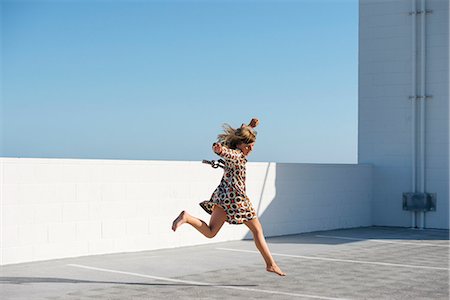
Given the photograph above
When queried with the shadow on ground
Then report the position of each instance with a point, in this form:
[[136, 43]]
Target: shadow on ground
[[27, 280], [354, 235]]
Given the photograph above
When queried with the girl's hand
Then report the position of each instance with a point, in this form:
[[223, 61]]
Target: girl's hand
[[217, 148], [253, 123]]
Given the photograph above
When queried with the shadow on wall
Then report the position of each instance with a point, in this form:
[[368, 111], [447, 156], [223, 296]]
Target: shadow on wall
[[299, 198], [308, 198], [283, 202]]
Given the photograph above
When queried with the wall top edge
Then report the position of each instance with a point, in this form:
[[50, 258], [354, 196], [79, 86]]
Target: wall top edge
[[82, 161]]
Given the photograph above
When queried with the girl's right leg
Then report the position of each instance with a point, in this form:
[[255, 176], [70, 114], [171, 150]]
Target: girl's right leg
[[218, 217], [260, 241]]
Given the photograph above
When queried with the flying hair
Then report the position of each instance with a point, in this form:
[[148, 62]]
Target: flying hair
[[232, 137]]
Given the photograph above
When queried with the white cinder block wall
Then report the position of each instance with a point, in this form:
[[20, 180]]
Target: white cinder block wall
[[54, 208], [385, 110]]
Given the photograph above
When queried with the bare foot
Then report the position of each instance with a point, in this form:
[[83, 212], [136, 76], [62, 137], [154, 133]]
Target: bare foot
[[275, 269], [180, 220]]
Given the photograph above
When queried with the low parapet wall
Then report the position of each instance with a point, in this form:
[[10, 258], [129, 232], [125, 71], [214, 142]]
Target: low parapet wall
[[55, 208]]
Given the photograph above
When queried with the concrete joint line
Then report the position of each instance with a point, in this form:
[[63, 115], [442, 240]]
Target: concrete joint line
[[341, 260], [202, 283], [381, 241]]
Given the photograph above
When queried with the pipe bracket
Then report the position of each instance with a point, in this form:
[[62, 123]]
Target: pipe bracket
[[419, 12], [420, 97]]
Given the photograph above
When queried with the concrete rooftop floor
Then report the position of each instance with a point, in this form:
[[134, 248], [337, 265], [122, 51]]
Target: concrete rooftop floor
[[361, 263]]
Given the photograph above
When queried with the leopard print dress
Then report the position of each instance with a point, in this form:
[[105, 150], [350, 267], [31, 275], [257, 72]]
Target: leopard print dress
[[230, 194]]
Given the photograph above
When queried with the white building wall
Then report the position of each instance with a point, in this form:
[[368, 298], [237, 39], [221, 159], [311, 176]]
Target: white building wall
[[55, 208], [385, 110]]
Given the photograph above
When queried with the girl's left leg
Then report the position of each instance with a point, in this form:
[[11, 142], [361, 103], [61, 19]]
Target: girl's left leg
[[258, 235], [218, 217]]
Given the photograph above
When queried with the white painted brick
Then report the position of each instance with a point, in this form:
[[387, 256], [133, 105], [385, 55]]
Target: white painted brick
[[137, 227], [148, 207], [39, 193], [101, 246], [109, 173], [48, 212], [12, 255], [387, 55], [31, 234], [26, 194], [47, 173], [145, 191], [436, 25], [10, 236], [126, 223], [155, 221], [145, 243], [67, 192], [402, 91], [437, 87], [88, 192], [60, 250], [113, 229], [95, 211], [27, 214], [388, 20], [75, 173], [384, 139], [203, 190], [95, 173], [440, 5], [386, 44], [402, 66], [382, 7], [438, 148], [135, 173], [16, 173], [437, 65], [138, 191], [117, 210], [75, 212], [438, 53], [437, 175], [89, 230], [437, 40], [11, 194], [125, 244], [129, 210], [10, 214], [61, 232], [180, 190], [390, 78], [113, 192]]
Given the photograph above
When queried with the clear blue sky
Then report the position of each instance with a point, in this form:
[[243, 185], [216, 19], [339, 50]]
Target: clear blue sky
[[156, 79]]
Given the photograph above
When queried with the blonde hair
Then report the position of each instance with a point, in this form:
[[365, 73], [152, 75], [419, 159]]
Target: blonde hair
[[231, 137]]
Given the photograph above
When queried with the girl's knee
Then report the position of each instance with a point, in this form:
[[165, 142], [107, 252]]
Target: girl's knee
[[211, 234], [257, 232], [254, 226]]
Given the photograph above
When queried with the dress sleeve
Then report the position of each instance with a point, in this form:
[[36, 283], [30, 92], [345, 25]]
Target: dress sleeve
[[230, 155]]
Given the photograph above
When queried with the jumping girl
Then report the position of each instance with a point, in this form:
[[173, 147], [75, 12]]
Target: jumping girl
[[229, 202]]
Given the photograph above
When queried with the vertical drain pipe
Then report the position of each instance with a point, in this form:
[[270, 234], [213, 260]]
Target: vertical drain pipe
[[413, 98], [423, 98]]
